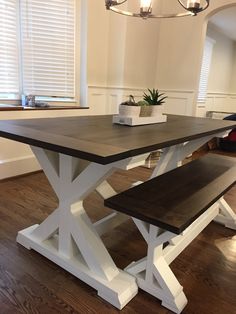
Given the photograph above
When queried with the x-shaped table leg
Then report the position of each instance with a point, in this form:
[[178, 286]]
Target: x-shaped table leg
[[68, 237]]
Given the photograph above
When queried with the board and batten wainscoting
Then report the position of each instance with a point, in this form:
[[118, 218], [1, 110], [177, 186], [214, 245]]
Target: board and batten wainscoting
[[17, 158], [106, 99], [216, 101]]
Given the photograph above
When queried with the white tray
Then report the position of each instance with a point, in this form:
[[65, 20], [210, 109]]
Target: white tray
[[132, 121]]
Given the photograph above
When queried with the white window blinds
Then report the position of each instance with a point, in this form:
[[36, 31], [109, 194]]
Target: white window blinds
[[9, 71], [205, 69], [48, 47]]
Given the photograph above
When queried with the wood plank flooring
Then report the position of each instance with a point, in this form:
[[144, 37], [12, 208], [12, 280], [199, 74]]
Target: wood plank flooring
[[29, 283]]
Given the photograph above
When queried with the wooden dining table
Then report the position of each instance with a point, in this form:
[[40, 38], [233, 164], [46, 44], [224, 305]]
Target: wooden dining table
[[78, 154]]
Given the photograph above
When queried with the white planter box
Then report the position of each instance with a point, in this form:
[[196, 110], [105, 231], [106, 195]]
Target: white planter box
[[132, 121], [157, 110], [146, 111], [129, 111]]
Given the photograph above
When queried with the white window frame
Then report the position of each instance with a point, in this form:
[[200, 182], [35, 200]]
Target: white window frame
[[205, 69], [80, 61]]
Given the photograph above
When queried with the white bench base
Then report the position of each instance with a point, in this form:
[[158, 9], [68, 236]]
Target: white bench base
[[153, 272]]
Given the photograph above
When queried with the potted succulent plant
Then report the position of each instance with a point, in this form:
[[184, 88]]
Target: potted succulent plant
[[146, 109], [155, 101], [129, 108]]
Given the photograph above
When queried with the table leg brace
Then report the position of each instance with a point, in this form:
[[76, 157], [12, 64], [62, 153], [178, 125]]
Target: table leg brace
[[68, 238]]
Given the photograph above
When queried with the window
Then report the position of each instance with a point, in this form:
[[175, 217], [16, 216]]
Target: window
[[38, 52], [205, 69], [9, 54]]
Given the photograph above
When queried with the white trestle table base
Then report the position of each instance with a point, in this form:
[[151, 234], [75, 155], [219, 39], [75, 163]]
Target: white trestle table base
[[118, 290], [68, 238]]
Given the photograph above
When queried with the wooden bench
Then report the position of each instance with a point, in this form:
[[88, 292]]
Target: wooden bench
[[170, 211], [174, 200]]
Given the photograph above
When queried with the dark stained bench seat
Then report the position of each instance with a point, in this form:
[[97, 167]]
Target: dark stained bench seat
[[174, 200]]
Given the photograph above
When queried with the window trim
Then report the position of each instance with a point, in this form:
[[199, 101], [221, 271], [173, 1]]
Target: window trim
[[202, 88], [80, 59]]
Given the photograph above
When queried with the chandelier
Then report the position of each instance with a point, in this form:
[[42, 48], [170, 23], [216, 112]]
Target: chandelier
[[191, 7]]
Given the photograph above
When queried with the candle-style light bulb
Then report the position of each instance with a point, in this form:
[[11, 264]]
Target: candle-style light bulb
[[193, 4], [145, 3], [145, 7]]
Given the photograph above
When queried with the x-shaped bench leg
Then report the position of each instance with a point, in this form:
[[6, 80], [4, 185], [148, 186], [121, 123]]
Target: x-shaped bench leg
[[153, 272]]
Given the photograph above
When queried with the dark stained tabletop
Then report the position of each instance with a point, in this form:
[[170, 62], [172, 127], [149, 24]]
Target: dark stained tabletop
[[96, 139]]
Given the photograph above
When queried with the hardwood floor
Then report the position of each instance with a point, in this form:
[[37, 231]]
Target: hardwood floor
[[29, 283]]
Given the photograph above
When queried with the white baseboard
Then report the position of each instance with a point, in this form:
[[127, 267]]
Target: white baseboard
[[18, 166]]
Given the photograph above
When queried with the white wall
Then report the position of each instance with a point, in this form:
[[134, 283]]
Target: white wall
[[222, 60], [122, 51], [98, 43]]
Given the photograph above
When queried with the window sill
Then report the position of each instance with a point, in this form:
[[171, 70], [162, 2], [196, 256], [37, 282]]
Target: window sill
[[5, 107]]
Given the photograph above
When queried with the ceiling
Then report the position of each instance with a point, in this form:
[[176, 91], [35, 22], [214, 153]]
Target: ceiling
[[226, 21]]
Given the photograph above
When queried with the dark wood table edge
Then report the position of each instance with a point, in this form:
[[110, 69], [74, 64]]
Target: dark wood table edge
[[104, 160]]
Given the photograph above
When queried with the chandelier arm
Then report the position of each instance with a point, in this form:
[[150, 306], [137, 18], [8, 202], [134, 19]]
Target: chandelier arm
[[167, 16], [111, 3], [124, 12], [151, 15], [121, 2], [207, 5]]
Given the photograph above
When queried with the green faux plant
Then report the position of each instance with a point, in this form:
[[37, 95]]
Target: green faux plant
[[142, 103], [154, 98]]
